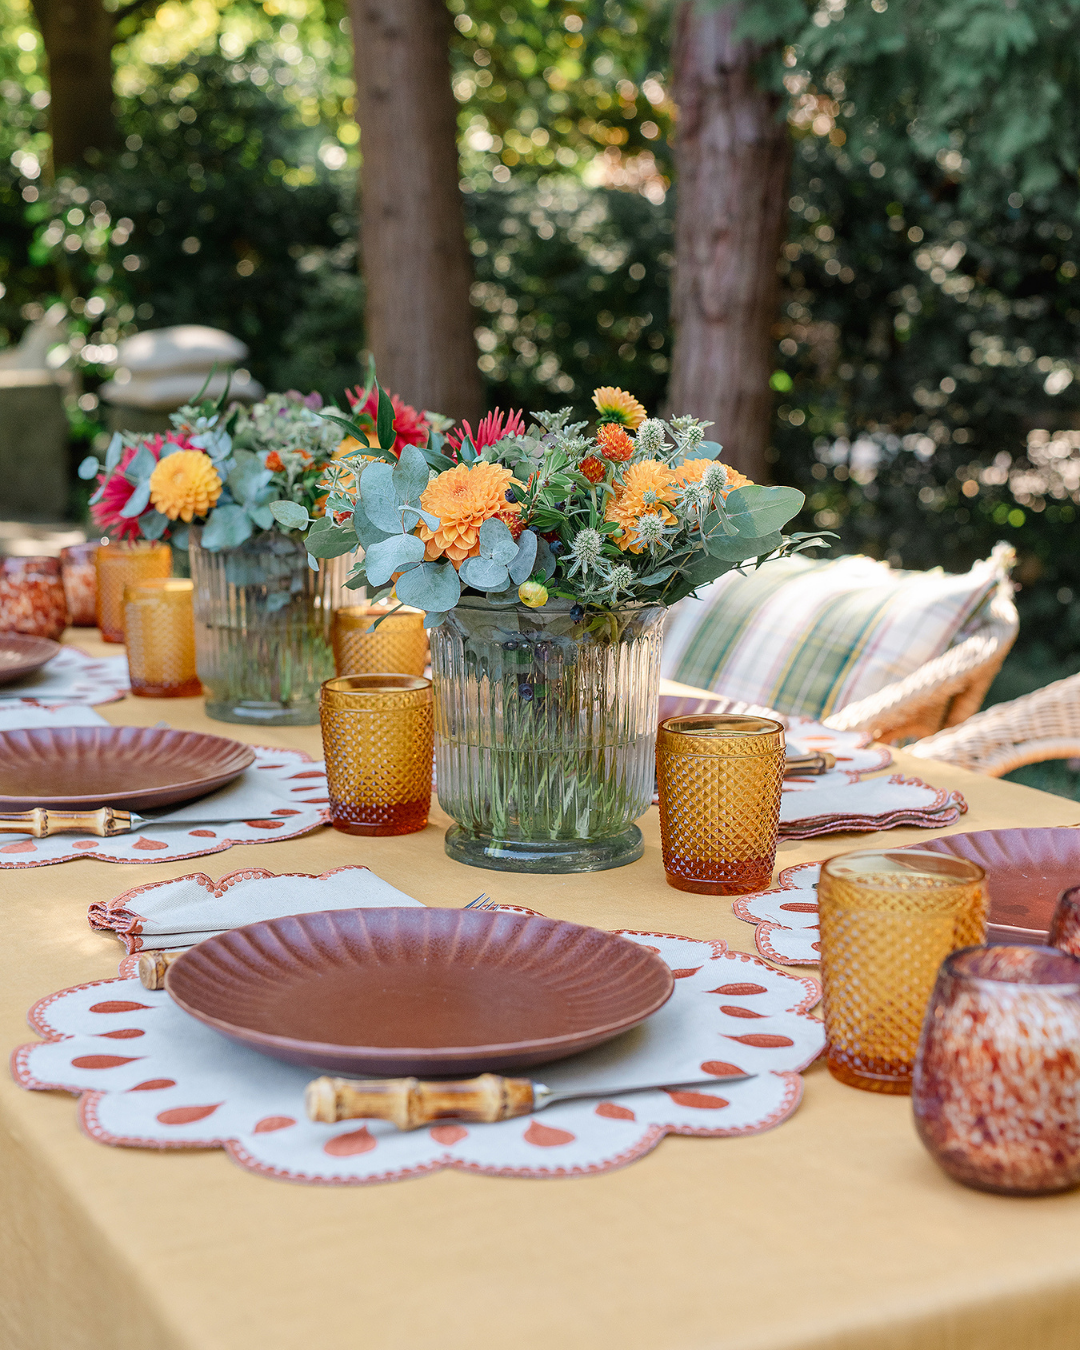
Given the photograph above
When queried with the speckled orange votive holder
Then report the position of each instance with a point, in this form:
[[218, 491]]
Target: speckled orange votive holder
[[121, 565], [378, 734], [719, 778], [159, 626], [888, 919], [399, 642]]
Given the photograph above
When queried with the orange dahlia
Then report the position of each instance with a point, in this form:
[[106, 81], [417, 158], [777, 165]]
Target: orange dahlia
[[645, 489], [185, 485], [463, 498], [616, 405], [693, 470], [614, 443]]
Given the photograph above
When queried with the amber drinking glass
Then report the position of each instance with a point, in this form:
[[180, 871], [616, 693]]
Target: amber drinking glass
[[80, 583], [121, 565], [996, 1089], [888, 920], [1065, 925], [32, 597], [398, 644], [719, 779], [159, 626], [378, 738]]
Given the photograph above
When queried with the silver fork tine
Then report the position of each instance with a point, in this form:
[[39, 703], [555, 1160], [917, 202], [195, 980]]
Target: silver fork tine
[[481, 902]]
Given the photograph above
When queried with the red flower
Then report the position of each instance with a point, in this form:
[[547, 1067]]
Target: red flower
[[411, 426], [490, 429], [105, 513], [614, 442], [594, 469]]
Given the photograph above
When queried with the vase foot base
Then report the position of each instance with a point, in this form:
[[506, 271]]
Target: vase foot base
[[264, 714], [551, 856]]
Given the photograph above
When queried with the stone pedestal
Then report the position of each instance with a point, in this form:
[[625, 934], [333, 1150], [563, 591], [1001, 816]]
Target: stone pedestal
[[34, 482]]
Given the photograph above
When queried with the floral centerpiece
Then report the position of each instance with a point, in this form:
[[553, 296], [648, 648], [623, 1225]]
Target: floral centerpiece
[[545, 556]]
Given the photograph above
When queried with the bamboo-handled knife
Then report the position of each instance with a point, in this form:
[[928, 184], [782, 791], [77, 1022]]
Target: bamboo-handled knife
[[106, 821], [409, 1103]]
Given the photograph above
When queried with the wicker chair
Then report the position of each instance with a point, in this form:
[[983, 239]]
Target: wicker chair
[[942, 693], [1042, 725]]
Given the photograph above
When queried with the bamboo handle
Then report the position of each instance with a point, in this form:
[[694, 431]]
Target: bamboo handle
[[410, 1103], [153, 965], [42, 822]]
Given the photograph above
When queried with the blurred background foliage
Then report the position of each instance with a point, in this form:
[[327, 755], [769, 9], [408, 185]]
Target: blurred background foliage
[[926, 348]]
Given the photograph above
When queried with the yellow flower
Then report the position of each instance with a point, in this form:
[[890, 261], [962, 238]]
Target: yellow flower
[[185, 485], [616, 405], [628, 505], [463, 498], [693, 470]]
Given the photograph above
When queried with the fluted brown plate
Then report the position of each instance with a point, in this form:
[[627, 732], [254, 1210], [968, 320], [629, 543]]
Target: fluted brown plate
[[130, 767], [419, 991], [22, 654], [1026, 870]]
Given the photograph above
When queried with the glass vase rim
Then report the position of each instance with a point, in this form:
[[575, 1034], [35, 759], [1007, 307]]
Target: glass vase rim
[[555, 605], [951, 967], [941, 864]]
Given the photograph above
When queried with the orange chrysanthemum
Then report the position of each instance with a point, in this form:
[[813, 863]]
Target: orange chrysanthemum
[[616, 405], [614, 443], [463, 498], [185, 485], [629, 504], [693, 470]]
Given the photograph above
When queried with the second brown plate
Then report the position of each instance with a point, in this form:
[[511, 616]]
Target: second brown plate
[[419, 991], [22, 654], [132, 767]]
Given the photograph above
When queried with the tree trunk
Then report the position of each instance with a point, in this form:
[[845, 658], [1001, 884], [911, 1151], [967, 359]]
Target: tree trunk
[[78, 37], [419, 319], [732, 156]]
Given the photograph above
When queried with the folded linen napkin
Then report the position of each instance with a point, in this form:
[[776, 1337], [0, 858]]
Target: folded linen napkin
[[183, 911], [72, 676], [25, 715], [874, 804]]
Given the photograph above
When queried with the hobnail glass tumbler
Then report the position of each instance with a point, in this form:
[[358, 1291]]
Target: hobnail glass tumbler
[[378, 739], [888, 920], [996, 1089], [121, 565], [32, 597], [159, 623], [1065, 925], [719, 779], [398, 644], [80, 583]]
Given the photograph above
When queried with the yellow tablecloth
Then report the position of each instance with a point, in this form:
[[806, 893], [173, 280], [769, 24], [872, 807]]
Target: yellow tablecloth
[[835, 1230]]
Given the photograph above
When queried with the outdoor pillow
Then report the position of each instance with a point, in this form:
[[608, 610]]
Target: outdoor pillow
[[811, 637]]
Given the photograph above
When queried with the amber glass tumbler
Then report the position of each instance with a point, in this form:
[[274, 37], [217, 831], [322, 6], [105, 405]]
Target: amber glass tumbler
[[32, 597], [719, 779], [1065, 925], [159, 627], [80, 583], [399, 643], [996, 1090], [888, 920], [121, 565], [378, 738]]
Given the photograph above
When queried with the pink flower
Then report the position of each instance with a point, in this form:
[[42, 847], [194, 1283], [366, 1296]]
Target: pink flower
[[491, 428], [105, 513], [411, 426]]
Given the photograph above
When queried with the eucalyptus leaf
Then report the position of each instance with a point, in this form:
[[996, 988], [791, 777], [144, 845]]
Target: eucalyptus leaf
[[327, 540], [431, 586], [313, 563], [180, 538], [97, 495], [379, 498], [396, 554], [367, 532], [757, 511], [115, 450], [356, 581], [737, 549], [141, 465], [484, 574], [523, 562], [89, 467], [227, 527], [433, 618], [545, 559], [708, 450], [247, 477], [410, 475], [655, 578], [152, 524], [290, 515], [136, 504], [496, 541], [169, 448], [261, 515]]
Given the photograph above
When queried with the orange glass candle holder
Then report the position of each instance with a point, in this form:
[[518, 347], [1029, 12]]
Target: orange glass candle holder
[[378, 738], [119, 566], [32, 597], [888, 919], [398, 644], [159, 626], [719, 779], [80, 583]]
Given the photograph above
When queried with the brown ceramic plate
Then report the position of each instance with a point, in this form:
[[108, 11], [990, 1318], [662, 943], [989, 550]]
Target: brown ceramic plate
[[419, 991], [1026, 871], [21, 654], [132, 767]]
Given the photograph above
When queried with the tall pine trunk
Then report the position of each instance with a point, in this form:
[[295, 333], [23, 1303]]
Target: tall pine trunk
[[732, 156], [416, 264], [78, 37]]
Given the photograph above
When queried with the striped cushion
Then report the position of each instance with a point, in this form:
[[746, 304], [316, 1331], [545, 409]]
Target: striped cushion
[[811, 637]]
